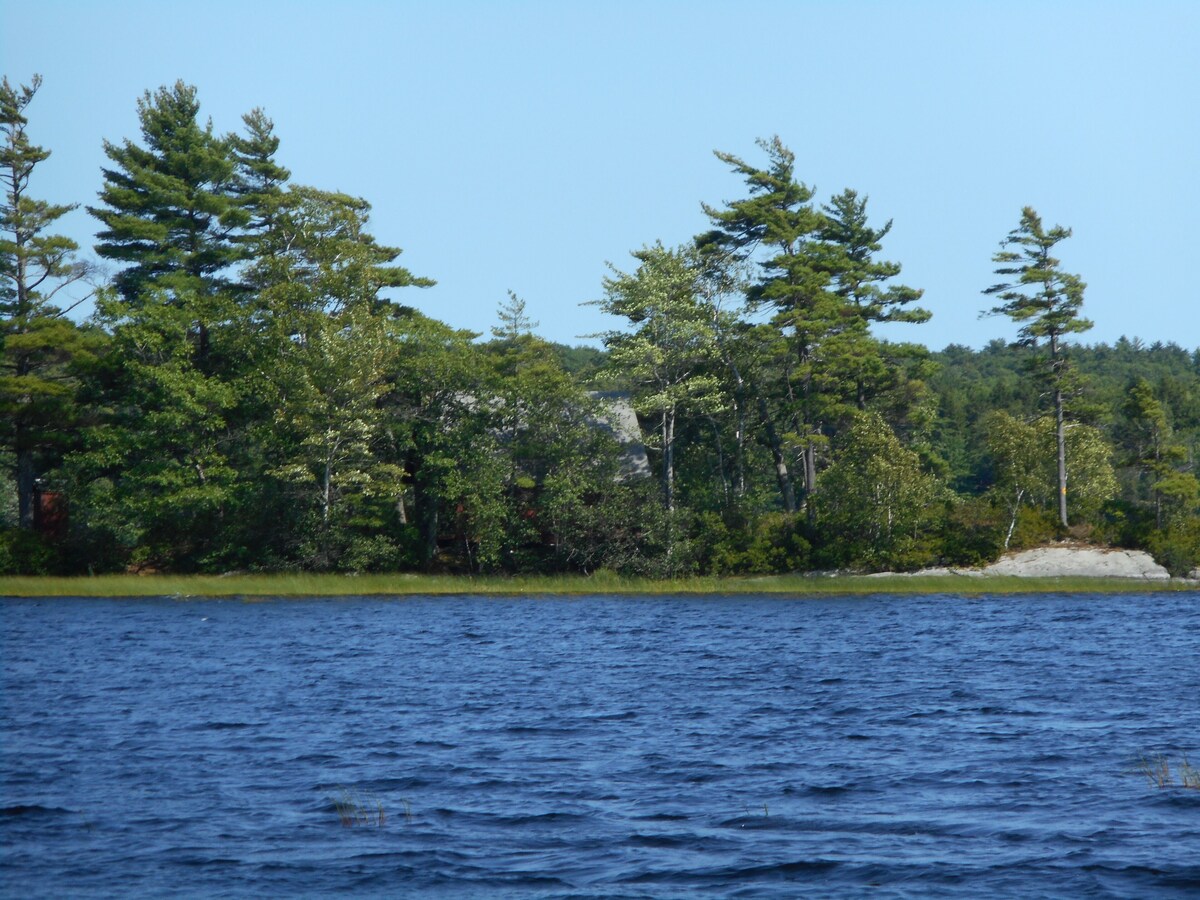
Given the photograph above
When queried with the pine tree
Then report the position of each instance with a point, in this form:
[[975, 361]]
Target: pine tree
[[170, 215], [1047, 302], [777, 222], [170, 443], [37, 340], [818, 278]]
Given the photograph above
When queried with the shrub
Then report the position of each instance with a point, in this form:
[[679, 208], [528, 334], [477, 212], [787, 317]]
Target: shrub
[[25, 552]]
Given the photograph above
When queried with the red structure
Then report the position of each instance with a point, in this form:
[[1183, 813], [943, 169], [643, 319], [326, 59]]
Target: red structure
[[50, 513]]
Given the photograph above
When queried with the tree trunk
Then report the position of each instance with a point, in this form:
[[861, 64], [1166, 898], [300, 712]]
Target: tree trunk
[[25, 484], [810, 481], [668, 464], [1062, 456], [786, 490], [740, 477], [328, 492], [1016, 511], [721, 475]]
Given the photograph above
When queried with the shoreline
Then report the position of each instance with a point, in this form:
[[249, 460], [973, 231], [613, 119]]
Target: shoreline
[[292, 586]]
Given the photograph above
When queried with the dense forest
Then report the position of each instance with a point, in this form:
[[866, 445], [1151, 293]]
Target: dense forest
[[253, 392]]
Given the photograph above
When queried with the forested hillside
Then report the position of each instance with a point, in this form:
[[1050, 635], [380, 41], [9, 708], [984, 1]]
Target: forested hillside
[[255, 391]]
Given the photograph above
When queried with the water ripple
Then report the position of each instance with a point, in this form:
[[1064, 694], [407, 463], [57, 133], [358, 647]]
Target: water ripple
[[599, 747]]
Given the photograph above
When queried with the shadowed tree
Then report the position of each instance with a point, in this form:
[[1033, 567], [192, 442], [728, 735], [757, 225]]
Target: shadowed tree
[[37, 341]]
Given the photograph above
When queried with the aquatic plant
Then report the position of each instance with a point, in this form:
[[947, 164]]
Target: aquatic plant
[[354, 808], [1158, 770]]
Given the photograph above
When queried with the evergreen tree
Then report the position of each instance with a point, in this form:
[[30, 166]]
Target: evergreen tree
[[1047, 301], [514, 321], [37, 341], [857, 276], [860, 281], [1148, 447], [777, 221], [259, 181], [169, 447], [818, 277], [170, 215]]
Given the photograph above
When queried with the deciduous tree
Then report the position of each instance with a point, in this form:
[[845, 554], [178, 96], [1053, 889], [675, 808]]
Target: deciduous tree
[[672, 354]]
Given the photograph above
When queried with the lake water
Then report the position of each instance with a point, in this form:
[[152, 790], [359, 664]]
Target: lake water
[[599, 747]]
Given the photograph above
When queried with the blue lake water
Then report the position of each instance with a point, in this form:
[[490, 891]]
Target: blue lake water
[[599, 747]]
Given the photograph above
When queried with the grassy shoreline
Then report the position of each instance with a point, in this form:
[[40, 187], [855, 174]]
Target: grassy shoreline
[[405, 585]]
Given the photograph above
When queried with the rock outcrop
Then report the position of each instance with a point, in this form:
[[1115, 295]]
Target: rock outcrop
[[1076, 560], [1065, 560]]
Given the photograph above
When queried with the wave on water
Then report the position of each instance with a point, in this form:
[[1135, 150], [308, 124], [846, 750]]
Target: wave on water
[[896, 747]]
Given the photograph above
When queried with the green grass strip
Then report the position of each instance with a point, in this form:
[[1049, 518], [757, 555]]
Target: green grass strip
[[401, 585]]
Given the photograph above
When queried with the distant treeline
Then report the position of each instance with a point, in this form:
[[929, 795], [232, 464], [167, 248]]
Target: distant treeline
[[250, 394]]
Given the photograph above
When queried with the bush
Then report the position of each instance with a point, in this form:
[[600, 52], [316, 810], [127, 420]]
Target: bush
[[766, 545], [1035, 528], [25, 552], [971, 534], [1177, 547]]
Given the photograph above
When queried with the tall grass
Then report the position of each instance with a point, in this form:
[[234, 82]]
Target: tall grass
[[252, 586], [1157, 769], [354, 808]]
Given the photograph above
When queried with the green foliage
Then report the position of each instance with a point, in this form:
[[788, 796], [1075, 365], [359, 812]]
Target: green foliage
[[1177, 547], [23, 552], [671, 355], [733, 545], [878, 508], [168, 211], [251, 395], [815, 362], [1046, 302], [971, 533], [40, 349]]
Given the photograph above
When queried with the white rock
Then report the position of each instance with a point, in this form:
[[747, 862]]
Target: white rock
[[1090, 562]]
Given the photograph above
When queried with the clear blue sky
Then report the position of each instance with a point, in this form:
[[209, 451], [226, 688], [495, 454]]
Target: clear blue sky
[[520, 145]]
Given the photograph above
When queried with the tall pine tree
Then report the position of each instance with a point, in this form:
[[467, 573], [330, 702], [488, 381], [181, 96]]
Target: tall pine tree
[[170, 215], [37, 340], [1046, 301]]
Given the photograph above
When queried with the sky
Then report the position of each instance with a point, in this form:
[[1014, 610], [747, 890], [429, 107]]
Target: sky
[[524, 145]]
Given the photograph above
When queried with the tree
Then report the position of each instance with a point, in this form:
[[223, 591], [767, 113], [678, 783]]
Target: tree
[[818, 278], [172, 386], [858, 277], [170, 215], [514, 321], [259, 181], [1017, 466], [671, 354], [37, 342], [878, 503], [1047, 301], [331, 404], [778, 222], [327, 344], [1021, 457], [439, 432], [1145, 437]]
